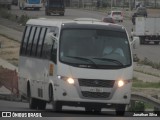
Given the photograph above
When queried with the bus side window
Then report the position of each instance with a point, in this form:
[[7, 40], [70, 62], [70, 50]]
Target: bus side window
[[21, 49], [30, 42], [25, 39], [35, 42], [40, 42], [47, 46]]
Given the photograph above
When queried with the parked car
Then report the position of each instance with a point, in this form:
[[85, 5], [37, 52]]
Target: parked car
[[116, 15], [141, 11], [108, 20]]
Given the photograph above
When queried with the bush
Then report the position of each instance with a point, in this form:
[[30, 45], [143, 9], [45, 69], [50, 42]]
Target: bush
[[23, 19], [4, 13], [146, 61], [137, 107]]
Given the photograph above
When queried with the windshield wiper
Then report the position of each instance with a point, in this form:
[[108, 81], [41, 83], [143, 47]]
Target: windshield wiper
[[110, 60], [84, 59]]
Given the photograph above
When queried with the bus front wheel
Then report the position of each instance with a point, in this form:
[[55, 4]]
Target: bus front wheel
[[56, 106], [120, 110]]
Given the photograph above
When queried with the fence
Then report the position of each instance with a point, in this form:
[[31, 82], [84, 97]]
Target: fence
[[9, 79]]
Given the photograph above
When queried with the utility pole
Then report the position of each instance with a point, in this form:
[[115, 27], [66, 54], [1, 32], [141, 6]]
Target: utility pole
[[129, 2], [111, 4]]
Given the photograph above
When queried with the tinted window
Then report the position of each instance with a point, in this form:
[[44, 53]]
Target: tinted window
[[41, 41], [35, 42], [26, 38], [90, 47], [116, 13], [48, 41], [22, 44], [30, 41]]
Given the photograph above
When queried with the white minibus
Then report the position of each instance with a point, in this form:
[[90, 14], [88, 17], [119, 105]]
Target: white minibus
[[82, 63]]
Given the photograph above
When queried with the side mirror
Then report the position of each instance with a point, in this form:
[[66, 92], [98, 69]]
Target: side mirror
[[51, 39], [135, 43]]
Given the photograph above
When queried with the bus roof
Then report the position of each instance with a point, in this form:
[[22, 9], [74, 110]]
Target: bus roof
[[83, 22]]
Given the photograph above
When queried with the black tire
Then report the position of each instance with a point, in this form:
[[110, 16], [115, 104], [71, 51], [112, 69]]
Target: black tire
[[41, 105], [88, 109], [36, 9], [47, 13], [142, 40], [61, 14], [97, 110], [9, 7], [156, 42], [32, 101], [120, 110], [56, 106]]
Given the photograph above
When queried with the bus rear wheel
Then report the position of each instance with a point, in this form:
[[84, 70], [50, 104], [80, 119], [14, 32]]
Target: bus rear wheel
[[41, 104], [32, 101]]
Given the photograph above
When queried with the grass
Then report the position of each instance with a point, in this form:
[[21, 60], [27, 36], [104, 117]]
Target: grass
[[141, 71], [9, 37], [148, 106], [140, 84], [146, 61]]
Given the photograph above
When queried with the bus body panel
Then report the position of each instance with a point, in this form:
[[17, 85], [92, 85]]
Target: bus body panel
[[74, 92]]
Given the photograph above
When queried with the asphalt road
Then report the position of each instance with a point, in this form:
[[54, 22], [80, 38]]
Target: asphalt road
[[22, 107], [67, 111]]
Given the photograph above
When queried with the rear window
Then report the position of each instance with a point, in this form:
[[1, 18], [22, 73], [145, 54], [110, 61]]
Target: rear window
[[141, 9], [116, 13], [107, 20]]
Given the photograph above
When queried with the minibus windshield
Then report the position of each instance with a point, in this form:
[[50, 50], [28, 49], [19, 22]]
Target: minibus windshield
[[94, 48]]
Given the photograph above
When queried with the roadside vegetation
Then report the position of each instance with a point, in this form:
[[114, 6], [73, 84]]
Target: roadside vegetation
[[140, 84], [152, 74], [148, 62], [4, 13]]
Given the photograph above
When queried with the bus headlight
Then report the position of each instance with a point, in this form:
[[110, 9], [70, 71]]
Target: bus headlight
[[120, 83], [70, 80], [67, 79]]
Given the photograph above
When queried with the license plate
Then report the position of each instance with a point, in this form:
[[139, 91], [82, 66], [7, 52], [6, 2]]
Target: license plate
[[92, 89], [96, 90]]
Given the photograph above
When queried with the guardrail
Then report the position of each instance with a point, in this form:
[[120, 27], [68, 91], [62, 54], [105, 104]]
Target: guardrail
[[146, 98]]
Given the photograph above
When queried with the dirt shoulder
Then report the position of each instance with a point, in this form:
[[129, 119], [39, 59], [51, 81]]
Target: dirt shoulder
[[9, 50]]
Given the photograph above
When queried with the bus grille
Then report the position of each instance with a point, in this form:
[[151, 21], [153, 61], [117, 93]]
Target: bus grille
[[95, 94], [96, 83]]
